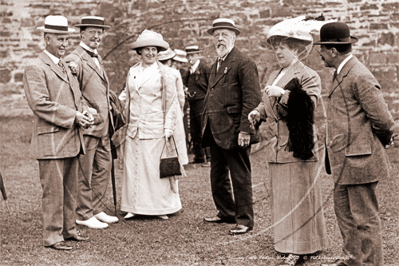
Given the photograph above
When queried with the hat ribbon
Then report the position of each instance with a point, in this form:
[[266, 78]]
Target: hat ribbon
[[54, 27]]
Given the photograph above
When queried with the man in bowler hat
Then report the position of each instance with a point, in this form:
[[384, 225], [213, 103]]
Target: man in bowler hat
[[359, 126], [95, 165], [53, 95], [233, 92]]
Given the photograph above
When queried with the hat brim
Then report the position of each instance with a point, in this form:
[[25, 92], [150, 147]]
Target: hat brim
[[353, 40], [194, 52], [166, 57], [43, 29], [211, 30], [162, 45], [180, 59], [92, 25]]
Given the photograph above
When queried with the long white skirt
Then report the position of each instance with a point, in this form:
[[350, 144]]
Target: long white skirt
[[143, 191]]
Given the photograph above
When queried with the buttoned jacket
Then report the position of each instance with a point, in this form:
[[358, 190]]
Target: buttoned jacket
[[277, 132], [151, 107], [355, 106], [54, 98], [201, 73], [94, 85], [233, 92]]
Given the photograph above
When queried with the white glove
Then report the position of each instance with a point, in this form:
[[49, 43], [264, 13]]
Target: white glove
[[253, 117], [275, 91], [168, 133]]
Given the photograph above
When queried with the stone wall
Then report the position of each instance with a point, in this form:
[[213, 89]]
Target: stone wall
[[184, 22]]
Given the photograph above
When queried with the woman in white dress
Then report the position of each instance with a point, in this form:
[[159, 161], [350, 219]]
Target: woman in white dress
[[151, 108]]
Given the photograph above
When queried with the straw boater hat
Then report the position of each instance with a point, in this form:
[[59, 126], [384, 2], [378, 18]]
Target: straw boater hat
[[166, 55], [180, 56], [56, 24], [193, 49], [93, 21], [335, 33], [150, 38], [223, 23]]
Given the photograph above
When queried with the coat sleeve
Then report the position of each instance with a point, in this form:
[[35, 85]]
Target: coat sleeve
[[170, 101], [38, 96], [251, 96]]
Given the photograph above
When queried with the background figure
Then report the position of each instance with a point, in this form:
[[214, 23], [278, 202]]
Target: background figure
[[196, 81], [151, 109], [288, 105], [95, 165], [233, 91], [53, 95], [355, 150], [166, 58]]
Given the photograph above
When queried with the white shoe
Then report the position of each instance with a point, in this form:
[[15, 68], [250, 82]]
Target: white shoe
[[163, 217], [93, 223], [129, 215], [103, 217]]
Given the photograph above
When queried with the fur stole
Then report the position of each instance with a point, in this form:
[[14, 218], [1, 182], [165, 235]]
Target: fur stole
[[300, 121]]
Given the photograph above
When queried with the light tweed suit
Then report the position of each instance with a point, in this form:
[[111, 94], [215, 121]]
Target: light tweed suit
[[357, 159], [54, 98], [95, 166]]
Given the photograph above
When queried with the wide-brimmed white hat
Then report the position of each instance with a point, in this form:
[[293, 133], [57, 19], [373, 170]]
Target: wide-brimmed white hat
[[150, 38], [56, 24], [93, 21], [299, 28], [165, 55], [223, 23], [180, 56]]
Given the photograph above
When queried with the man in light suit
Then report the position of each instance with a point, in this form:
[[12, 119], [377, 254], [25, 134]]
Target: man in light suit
[[53, 95], [95, 165], [359, 126], [233, 92]]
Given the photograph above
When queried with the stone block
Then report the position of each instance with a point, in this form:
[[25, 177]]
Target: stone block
[[377, 59], [378, 26], [18, 77], [264, 13], [5, 75], [387, 38]]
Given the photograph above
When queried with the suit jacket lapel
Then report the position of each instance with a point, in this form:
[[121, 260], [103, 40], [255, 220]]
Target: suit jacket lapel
[[224, 67], [55, 68], [90, 62], [342, 74]]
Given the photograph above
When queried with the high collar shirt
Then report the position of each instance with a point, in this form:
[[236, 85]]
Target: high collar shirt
[[194, 67], [343, 63], [95, 59], [52, 57]]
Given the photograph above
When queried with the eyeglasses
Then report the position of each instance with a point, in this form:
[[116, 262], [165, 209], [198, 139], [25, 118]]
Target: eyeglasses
[[223, 34], [94, 32]]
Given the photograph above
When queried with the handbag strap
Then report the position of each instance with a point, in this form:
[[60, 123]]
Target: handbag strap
[[165, 145]]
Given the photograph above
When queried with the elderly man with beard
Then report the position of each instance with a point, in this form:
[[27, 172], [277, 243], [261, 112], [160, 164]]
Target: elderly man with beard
[[95, 165], [233, 92]]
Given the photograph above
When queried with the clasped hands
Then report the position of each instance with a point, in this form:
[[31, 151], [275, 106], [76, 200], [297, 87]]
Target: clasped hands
[[85, 119]]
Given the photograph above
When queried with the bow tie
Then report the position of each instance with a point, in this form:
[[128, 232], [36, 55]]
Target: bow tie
[[92, 54]]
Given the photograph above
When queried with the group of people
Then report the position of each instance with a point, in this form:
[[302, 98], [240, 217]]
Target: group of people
[[73, 131]]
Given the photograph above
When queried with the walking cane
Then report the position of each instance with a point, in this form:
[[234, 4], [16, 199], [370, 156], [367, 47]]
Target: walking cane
[[114, 156], [3, 192]]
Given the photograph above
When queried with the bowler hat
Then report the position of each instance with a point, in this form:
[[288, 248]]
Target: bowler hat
[[93, 21], [223, 23], [56, 24], [150, 38], [335, 33]]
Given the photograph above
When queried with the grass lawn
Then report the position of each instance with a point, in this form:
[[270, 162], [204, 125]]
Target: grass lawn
[[184, 239]]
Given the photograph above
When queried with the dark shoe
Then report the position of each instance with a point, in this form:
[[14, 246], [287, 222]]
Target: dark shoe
[[336, 263], [218, 220], [60, 246], [240, 229], [77, 238]]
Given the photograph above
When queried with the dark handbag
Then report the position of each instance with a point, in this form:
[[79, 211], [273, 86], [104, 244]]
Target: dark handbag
[[169, 166]]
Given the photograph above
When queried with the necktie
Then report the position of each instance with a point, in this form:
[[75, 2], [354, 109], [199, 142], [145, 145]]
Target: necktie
[[335, 75], [61, 65], [219, 63], [92, 54]]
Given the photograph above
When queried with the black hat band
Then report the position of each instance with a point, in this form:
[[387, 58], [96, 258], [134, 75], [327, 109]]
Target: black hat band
[[91, 21], [223, 24], [54, 27]]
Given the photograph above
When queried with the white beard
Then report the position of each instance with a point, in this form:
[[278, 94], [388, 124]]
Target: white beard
[[221, 50]]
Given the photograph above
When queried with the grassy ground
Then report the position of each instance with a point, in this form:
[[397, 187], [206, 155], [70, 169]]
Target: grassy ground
[[184, 239]]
